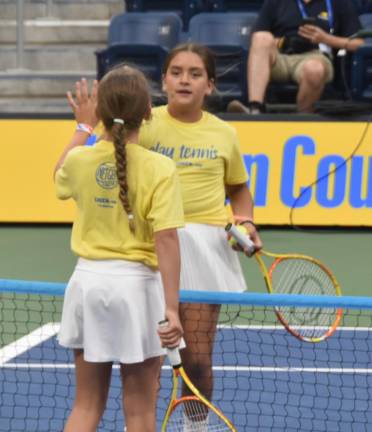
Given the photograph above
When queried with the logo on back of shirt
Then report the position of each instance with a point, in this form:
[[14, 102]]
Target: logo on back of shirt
[[106, 175]]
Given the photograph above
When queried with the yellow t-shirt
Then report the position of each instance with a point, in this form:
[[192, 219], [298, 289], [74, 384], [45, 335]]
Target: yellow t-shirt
[[207, 157], [101, 229]]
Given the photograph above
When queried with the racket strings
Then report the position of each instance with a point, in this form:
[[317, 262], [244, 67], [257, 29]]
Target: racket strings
[[301, 276], [194, 416]]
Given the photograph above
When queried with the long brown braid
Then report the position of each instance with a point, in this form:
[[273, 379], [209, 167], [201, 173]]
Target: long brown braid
[[123, 102]]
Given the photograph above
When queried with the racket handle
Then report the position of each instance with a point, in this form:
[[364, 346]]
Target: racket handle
[[174, 356], [172, 353], [244, 241]]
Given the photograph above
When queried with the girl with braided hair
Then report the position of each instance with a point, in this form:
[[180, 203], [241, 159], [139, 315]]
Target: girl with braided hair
[[129, 206]]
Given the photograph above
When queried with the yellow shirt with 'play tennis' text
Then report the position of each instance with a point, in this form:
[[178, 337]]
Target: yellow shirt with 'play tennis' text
[[207, 157], [101, 229]]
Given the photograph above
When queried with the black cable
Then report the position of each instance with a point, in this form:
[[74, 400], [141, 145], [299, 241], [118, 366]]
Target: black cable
[[345, 108], [333, 171]]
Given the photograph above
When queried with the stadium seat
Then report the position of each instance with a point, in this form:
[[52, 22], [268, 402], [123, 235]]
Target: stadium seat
[[142, 39], [235, 5], [227, 35], [366, 20], [155, 28], [184, 8], [364, 6], [361, 70]]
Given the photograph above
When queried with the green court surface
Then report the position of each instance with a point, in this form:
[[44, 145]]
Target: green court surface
[[42, 252]]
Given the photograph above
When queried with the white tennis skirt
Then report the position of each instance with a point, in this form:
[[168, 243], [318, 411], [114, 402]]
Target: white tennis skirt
[[208, 262], [111, 310]]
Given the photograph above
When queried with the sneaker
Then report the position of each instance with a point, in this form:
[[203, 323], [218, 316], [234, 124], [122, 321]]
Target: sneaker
[[256, 107], [236, 106]]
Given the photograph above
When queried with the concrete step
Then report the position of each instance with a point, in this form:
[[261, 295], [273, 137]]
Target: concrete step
[[51, 58], [47, 84], [33, 106], [64, 9], [55, 31]]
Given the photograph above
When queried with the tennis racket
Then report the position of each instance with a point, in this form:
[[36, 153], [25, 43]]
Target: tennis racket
[[190, 413], [297, 274]]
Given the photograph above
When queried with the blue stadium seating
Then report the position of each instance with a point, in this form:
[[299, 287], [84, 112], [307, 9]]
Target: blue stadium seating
[[229, 28], [224, 26], [235, 5], [366, 20], [142, 39], [361, 70], [361, 73], [184, 8], [227, 35], [363, 6]]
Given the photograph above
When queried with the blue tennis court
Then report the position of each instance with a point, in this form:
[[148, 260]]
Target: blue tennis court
[[272, 382], [266, 380]]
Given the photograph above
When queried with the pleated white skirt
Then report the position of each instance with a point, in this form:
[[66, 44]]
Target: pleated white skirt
[[111, 310], [208, 262]]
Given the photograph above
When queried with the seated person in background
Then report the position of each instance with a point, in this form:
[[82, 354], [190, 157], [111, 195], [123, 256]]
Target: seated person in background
[[293, 40]]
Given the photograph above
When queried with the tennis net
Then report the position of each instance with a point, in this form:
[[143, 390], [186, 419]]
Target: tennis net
[[265, 379]]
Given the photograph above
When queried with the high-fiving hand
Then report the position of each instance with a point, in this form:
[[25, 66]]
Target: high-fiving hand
[[84, 104]]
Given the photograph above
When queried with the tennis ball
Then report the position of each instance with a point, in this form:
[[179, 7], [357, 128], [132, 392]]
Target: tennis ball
[[232, 240]]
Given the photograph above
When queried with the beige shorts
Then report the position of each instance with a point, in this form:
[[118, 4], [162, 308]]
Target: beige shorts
[[288, 66]]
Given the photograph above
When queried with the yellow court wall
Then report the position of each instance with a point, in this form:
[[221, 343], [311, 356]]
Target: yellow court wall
[[282, 158]]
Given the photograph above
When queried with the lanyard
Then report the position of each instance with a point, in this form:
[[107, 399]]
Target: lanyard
[[329, 12]]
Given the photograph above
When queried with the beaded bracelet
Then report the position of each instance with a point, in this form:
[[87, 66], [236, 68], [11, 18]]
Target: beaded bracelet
[[83, 127]]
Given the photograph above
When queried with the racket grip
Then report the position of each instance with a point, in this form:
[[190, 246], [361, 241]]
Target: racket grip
[[172, 353], [174, 356], [244, 241]]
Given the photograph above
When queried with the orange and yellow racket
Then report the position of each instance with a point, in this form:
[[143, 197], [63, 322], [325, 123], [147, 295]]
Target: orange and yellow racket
[[296, 274], [192, 413]]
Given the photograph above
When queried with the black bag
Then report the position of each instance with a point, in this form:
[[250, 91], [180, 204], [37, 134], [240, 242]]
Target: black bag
[[296, 45]]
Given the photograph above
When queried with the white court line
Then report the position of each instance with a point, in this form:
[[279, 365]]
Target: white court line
[[49, 330], [215, 368], [280, 327], [28, 342]]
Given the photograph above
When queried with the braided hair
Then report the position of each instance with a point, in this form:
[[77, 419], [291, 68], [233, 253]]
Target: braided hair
[[123, 102]]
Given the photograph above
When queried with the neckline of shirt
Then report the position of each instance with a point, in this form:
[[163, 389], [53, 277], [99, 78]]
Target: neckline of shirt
[[172, 119]]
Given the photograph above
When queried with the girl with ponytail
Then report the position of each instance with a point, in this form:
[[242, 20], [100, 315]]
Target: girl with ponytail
[[129, 207]]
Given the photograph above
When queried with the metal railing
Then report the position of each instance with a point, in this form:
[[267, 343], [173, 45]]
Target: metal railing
[[20, 34], [20, 29]]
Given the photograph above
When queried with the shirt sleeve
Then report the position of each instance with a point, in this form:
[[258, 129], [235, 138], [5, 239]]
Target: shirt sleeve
[[166, 205], [349, 19], [235, 172], [62, 184], [146, 135], [63, 178], [265, 17]]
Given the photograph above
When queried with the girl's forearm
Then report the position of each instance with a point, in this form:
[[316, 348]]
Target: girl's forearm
[[78, 139], [168, 253]]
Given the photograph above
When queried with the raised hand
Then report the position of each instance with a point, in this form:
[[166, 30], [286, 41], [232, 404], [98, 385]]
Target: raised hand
[[84, 104]]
